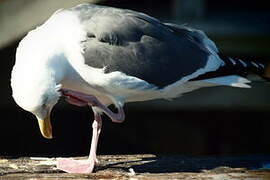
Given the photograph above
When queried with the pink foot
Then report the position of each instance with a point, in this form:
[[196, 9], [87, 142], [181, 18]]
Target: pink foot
[[75, 166]]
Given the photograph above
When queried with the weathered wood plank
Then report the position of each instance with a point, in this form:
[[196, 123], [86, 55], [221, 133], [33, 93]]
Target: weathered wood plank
[[142, 167]]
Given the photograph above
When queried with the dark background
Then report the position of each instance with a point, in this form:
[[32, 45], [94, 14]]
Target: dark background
[[220, 120]]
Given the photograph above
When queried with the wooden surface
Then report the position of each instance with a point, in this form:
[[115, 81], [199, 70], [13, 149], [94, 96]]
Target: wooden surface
[[143, 167]]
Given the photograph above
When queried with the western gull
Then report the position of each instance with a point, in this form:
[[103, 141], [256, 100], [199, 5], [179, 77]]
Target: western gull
[[97, 56]]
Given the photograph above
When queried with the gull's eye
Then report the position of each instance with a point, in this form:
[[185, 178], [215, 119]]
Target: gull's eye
[[45, 102], [44, 106]]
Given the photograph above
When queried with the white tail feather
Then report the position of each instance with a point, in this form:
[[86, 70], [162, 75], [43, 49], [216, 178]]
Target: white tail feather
[[232, 80]]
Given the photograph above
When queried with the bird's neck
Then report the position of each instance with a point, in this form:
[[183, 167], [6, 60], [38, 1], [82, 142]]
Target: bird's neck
[[57, 67]]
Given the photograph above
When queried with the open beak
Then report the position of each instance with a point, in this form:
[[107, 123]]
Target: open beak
[[45, 126]]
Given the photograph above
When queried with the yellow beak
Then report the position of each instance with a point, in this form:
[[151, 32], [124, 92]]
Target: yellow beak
[[45, 127]]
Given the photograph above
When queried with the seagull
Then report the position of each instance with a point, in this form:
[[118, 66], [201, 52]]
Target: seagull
[[98, 56]]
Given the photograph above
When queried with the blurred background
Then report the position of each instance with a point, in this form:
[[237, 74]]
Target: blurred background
[[218, 120]]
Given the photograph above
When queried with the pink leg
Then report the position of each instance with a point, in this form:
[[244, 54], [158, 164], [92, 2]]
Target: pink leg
[[97, 124], [84, 166], [81, 99]]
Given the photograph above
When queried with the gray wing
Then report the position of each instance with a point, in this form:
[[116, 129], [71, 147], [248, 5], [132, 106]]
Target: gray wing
[[139, 45]]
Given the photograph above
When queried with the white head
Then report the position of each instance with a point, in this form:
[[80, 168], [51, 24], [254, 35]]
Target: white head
[[34, 82], [41, 61]]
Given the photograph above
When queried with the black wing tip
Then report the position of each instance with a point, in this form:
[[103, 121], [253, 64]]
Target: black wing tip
[[235, 66]]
